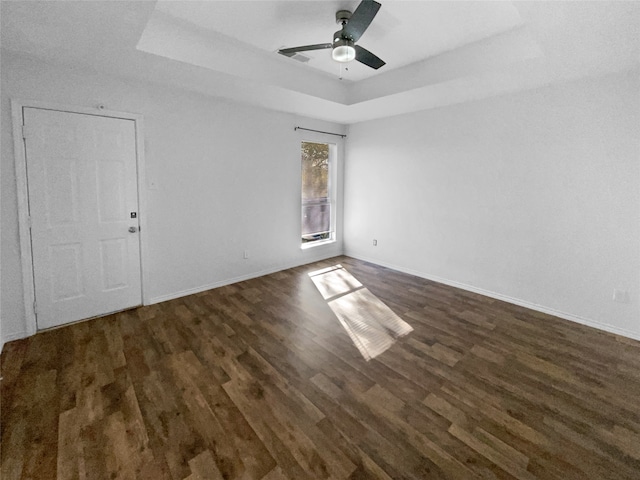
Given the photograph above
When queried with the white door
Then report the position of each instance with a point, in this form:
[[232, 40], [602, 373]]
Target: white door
[[83, 204]]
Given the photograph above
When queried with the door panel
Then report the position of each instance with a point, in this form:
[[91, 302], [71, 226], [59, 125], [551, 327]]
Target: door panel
[[82, 183], [62, 192], [66, 261], [111, 198], [113, 256]]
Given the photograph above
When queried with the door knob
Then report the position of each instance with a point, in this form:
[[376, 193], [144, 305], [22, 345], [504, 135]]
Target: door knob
[[133, 229]]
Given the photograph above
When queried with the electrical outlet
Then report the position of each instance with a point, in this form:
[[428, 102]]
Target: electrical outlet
[[245, 254], [620, 296], [375, 242]]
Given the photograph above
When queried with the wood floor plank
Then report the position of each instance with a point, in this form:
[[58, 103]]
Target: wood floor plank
[[204, 467], [259, 380]]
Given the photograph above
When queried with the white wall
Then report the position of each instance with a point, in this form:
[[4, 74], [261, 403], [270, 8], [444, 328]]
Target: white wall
[[228, 179], [533, 197]]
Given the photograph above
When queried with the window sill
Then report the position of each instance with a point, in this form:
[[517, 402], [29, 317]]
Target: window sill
[[308, 245]]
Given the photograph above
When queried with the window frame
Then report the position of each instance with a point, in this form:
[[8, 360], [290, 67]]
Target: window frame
[[332, 188]]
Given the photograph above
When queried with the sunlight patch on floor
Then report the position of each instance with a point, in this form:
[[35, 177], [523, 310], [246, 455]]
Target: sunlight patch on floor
[[372, 326]]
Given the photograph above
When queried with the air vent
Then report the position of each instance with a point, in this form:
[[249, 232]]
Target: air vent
[[301, 58]]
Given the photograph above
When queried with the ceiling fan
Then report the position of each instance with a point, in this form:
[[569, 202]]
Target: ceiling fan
[[343, 45]]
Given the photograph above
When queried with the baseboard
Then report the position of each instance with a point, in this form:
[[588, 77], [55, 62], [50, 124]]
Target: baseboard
[[505, 298], [241, 278], [498, 296], [13, 336], [183, 293]]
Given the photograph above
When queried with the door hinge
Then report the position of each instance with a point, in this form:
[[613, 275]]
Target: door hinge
[[25, 132], [35, 307], [29, 221]]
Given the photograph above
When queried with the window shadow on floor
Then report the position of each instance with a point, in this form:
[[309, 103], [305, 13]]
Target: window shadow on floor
[[372, 325]]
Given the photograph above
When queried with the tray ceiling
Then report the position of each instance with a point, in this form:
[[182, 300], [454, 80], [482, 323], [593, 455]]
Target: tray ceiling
[[437, 53]]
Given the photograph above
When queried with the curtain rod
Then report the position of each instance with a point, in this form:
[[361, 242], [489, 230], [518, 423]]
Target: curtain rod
[[320, 131]]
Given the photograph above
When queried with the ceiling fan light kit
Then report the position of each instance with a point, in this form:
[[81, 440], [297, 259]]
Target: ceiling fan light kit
[[343, 51], [343, 47]]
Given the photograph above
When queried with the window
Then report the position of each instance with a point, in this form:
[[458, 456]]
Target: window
[[317, 194]]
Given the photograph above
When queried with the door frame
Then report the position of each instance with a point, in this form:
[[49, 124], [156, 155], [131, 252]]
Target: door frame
[[20, 157]]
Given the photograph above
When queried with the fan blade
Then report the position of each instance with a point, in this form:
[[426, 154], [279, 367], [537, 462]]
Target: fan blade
[[369, 59], [289, 52], [360, 20]]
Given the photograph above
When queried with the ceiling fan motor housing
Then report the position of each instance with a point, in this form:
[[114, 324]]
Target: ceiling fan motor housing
[[340, 40]]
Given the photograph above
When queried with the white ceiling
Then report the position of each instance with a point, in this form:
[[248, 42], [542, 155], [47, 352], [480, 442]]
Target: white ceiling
[[401, 33], [437, 53]]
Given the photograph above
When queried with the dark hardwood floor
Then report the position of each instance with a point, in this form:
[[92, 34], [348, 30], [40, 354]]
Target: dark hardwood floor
[[260, 380]]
